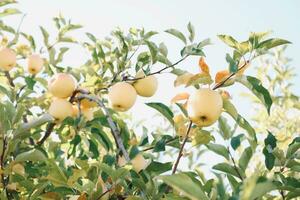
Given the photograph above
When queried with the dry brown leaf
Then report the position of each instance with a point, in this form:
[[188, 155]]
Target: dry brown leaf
[[180, 97]]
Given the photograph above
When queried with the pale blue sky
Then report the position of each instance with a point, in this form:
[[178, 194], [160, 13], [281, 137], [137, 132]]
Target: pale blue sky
[[210, 18]]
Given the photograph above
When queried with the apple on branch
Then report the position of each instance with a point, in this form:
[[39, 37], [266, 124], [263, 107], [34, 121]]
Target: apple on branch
[[61, 109], [122, 96], [204, 107], [145, 87], [34, 64], [8, 59], [62, 85]]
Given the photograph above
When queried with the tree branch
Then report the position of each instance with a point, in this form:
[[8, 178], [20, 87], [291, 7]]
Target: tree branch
[[114, 130], [159, 71], [234, 165], [182, 147], [230, 76], [48, 132], [10, 80]]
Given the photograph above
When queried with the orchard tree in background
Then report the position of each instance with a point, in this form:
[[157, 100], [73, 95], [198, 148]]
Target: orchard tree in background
[[64, 134]]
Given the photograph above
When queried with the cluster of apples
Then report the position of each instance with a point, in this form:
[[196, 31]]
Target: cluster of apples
[[62, 86], [8, 60], [122, 95]]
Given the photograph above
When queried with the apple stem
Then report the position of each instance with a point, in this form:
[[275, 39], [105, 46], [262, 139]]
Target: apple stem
[[113, 127], [234, 165], [180, 154]]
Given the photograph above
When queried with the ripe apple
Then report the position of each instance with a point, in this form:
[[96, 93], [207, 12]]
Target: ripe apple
[[122, 96], [60, 109], [147, 86], [139, 163], [75, 110], [204, 107], [35, 63], [8, 59], [62, 85]]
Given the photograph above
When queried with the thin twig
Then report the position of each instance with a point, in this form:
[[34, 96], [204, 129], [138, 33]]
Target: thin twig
[[48, 132], [234, 165], [114, 130], [167, 142], [159, 71], [10, 80], [228, 77], [181, 148]]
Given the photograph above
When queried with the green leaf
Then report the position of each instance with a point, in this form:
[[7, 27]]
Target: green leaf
[[292, 149], [257, 88], [229, 40], [245, 158], [192, 50], [9, 11], [163, 49], [30, 82], [201, 137], [271, 43], [228, 169], [153, 50], [134, 151], [261, 189], [33, 155], [91, 37], [200, 78], [233, 67], [236, 141], [184, 184], [157, 168], [224, 128], [163, 109], [177, 34], [191, 30], [150, 34], [46, 36], [270, 144], [218, 149]]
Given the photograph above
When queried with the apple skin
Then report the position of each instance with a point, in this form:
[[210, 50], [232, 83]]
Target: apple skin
[[139, 163], [86, 103], [8, 59], [62, 85], [34, 64], [204, 107], [122, 96], [147, 86], [61, 109]]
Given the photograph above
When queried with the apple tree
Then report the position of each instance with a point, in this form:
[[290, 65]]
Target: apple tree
[[64, 132]]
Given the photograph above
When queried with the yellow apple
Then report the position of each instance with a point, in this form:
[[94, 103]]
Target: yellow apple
[[35, 63], [204, 107], [61, 109], [122, 96], [62, 85], [147, 86], [139, 163], [75, 110], [8, 59]]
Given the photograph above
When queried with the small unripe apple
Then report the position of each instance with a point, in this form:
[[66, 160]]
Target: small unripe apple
[[18, 169], [8, 59], [35, 63], [122, 96], [62, 85], [204, 107], [139, 163], [147, 86], [61, 109]]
